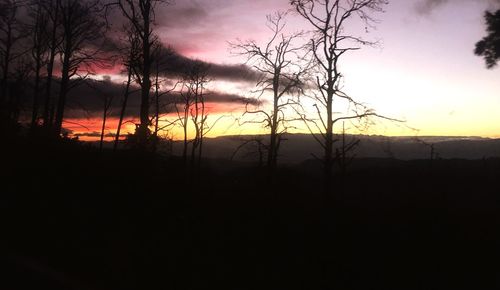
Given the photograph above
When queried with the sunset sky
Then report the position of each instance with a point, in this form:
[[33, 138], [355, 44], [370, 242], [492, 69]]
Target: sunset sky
[[424, 70]]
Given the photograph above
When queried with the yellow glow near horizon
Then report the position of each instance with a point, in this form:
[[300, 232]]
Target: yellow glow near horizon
[[424, 72]]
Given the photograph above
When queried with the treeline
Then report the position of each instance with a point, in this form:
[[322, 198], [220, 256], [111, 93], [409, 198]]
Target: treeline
[[51, 46], [57, 45]]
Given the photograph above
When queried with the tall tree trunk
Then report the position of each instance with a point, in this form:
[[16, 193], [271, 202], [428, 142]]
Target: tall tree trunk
[[143, 129], [200, 151], [6, 64], [15, 100], [47, 122], [343, 156], [185, 129], [202, 128], [193, 152], [36, 94], [124, 107], [52, 113], [61, 102], [196, 127], [103, 128], [185, 149], [271, 157], [47, 115], [328, 162], [157, 109]]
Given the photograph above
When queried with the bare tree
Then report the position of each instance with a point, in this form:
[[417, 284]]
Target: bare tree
[[141, 15], [198, 78], [199, 117], [107, 98], [254, 146], [200, 113], [107, 102], [192, 111], [343, 154], [160, 60], [21, 74], [129, 60], [282, 68], [11, 32], [39, 44], [186, 98], [329, 42], [82, 28], [52, 9], [433, 155], [126, 95]]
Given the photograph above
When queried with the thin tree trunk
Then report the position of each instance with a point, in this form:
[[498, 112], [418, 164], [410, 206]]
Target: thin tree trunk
[[34, 115], [272, 147], [47, 123], [344, 153], [185, 149], [15, 102], [193, 152], [157, 109], [271, 157], [200, 151], [52, 113], [328, 162], [196, 141], [6, 64], [104, 117], [61, 102], [46, 116], [146, 81], [203, 120], [37, 54], [185, 128], [124, 107]]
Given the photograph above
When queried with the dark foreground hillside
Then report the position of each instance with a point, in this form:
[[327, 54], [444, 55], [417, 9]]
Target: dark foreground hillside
[[74, 218]]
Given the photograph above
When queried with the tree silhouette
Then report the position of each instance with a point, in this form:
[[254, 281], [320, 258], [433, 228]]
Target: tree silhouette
[[198, 78], [254, 146], [329, 42], [21, 75], [280, 62], [184, 102], [39, 46], [489, 46], [107, 101], [129, 60], [82, 27], [191, 108], [160, 60], [11, 33], [55, 38], [140, 14], [342, 153]]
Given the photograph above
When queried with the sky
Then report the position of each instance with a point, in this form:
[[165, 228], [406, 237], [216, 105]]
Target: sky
[[423, 71]]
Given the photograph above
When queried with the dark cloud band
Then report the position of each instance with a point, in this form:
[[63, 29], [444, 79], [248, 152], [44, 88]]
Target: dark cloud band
[[87, 100]]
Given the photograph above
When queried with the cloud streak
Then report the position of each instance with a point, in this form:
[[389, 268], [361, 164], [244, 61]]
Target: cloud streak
[[177, 64], [87, 100], [428, 6], [201, 28]]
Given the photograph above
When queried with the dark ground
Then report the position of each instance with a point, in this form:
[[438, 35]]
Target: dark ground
[[74, 218]]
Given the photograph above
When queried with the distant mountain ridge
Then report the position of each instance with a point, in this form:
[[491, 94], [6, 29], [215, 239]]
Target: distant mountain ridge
[[297, 148]]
